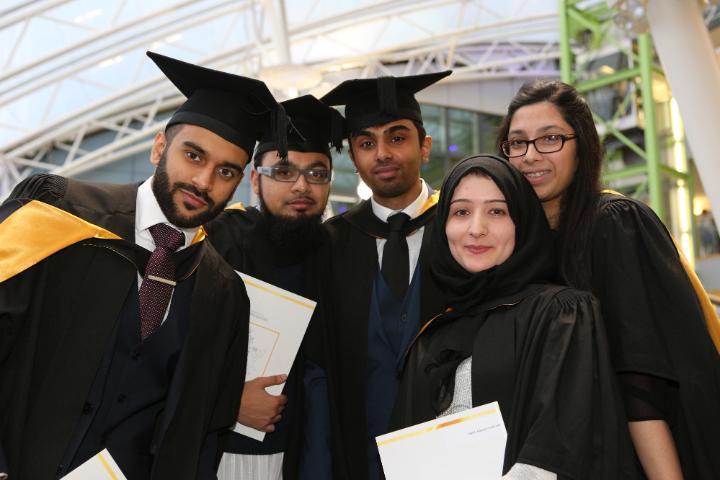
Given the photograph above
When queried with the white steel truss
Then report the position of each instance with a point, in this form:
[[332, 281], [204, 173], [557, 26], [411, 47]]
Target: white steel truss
[[474, 39]]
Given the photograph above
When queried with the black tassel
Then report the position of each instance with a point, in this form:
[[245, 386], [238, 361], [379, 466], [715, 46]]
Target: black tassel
[[387, 95], [294, 130], [337, 130], [280, 127]]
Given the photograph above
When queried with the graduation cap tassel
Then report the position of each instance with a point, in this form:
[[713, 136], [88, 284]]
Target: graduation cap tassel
[[292, 129], [280, 127], [387, 95], [337, 130]]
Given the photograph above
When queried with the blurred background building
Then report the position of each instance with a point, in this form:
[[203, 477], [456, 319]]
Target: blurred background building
[[78, 96]]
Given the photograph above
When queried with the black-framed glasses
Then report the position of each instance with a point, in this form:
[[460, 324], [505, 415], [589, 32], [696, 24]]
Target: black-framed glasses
[[285, 173], [546, 144]]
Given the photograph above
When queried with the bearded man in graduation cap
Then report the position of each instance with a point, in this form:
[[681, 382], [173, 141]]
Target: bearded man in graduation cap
[[380, 290], [120, 326], [282, 243]]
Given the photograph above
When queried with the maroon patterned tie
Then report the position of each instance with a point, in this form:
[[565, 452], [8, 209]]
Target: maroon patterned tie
[[159, 279]]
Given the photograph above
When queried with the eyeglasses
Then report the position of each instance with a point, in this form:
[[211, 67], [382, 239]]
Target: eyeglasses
[[284, 173], [545, 144]]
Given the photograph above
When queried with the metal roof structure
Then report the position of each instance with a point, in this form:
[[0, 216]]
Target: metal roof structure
[[72, 68]]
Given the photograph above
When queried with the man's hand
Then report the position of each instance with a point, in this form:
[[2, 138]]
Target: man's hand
[[259, 409]]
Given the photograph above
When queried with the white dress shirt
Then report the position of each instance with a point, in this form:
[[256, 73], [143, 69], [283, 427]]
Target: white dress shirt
[[147, 214], [414, 240]]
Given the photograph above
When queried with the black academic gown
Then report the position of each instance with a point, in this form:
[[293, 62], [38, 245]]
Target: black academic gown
[[542, 354], [354, 265], [656, 326], [241, 237], [58, 319]]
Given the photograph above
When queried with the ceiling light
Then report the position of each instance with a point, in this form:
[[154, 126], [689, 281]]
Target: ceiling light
[[290, 76]]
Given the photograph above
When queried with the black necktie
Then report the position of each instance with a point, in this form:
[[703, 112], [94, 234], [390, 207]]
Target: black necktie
[[396, 259], [159, 279]]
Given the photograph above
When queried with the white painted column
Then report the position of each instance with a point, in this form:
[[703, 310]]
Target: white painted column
[[275, 9], [683, 44]]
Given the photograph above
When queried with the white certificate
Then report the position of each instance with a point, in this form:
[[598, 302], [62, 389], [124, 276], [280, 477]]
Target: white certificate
[[465, 445], [278, 320], [100, 467]]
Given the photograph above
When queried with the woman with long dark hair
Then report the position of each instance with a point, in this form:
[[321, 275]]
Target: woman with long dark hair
[[660, 328], [510, 336]]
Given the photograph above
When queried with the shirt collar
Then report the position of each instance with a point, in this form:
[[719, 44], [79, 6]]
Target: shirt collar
[[149, 213], [412, 210]]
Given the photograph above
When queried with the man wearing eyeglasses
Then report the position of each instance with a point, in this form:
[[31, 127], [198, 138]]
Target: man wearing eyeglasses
[[281, 242]]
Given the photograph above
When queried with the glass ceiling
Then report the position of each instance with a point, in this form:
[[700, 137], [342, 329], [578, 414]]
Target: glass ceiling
[[63, 57]]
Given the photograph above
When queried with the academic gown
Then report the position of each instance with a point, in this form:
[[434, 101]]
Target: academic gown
[[241, 237], [354, 265], [542, 354], [656, 326], [58, 319]]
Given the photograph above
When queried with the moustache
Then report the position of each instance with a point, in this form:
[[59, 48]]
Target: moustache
[[192, 189], [304, 198], [380, 165]]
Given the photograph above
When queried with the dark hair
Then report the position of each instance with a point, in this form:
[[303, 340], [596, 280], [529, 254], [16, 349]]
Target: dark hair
[[257, 160], [422, 133], [171, 131], [578, 205]]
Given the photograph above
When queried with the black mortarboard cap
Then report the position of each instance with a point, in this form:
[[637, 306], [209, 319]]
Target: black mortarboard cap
[[376, 101], [237, 108], [312, 126]]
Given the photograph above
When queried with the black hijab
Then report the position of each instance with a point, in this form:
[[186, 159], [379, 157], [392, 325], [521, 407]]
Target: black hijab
[[532, 260], [471, 295]]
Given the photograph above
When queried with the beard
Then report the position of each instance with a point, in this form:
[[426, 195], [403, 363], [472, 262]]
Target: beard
[[164, 193], [396, 187], [292, 235]]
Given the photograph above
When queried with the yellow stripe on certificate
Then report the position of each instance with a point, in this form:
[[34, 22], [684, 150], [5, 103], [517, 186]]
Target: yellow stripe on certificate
[[108, 467], [278, 294], [278, 322], [101, 466], [438, 426]]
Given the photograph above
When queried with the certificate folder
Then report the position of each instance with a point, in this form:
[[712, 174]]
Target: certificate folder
[[100, 467], [278, 320], [464, 445]]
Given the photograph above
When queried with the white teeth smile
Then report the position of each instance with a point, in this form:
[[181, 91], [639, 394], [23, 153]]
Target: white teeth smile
[[535, 174]]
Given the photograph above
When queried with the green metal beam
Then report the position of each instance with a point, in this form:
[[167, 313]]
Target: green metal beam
[[671, 172], [566, 57], [607, 80], [621, 136], [578, 18], [627, 172], [641, 188], [645, 54], [589, 23], [622, 107]]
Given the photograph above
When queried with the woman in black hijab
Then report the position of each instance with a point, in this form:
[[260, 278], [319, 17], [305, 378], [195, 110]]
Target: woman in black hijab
[[509, 336]]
